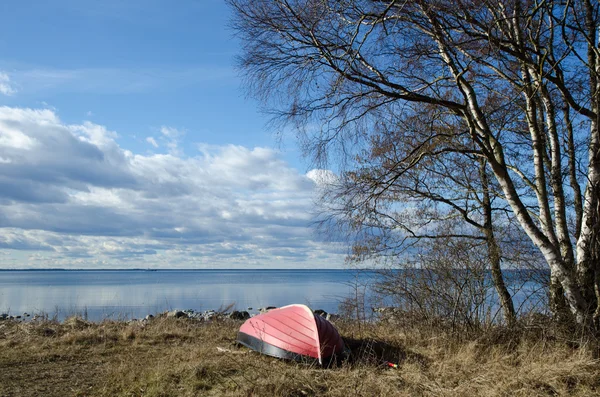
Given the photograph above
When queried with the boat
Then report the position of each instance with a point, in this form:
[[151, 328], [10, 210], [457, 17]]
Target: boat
[[292, 332]]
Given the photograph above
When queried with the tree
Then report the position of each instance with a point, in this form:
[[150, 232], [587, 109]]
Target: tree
[[517, 80], [444, 190]]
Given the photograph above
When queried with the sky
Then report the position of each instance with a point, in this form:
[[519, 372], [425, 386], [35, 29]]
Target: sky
[[128, 141]]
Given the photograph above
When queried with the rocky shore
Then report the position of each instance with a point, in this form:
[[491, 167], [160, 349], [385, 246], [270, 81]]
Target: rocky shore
[[204, 316], [209, 315]]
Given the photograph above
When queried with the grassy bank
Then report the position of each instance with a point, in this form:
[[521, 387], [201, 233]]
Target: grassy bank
[[182, 357]]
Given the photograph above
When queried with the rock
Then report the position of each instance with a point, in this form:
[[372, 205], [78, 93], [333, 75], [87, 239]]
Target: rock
[[176, 314], [323, 314], [149, 317], [237, 315], [189, 313], [3, 316], [197, 315], [249, 309], [333, 317], [266, 309], [26, 314], [209, 315], [18, 317]]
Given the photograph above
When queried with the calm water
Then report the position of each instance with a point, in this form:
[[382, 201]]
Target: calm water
[[136, 293]]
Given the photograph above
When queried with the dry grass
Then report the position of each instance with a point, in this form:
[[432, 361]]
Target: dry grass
[[180, 357]]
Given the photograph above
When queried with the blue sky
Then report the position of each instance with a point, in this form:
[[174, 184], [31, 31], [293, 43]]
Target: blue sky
[[126, 140]]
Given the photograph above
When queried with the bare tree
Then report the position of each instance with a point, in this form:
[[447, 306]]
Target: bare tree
[[403, 194], [519, 78], [446, 281]]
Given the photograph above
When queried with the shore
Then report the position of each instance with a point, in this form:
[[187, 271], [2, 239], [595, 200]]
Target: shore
[[181, 356]]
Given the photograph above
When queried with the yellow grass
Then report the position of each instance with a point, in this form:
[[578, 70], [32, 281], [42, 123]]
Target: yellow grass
[[181, 357]]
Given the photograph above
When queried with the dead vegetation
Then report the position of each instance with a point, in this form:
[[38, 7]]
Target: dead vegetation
[[182, 357]]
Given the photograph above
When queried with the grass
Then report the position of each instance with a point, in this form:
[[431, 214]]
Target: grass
[[181, 357]]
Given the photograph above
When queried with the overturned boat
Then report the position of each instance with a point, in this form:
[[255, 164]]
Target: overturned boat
[[292, 332]]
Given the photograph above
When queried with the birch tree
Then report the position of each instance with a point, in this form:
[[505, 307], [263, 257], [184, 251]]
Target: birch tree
[[415, 185], [520, 78]]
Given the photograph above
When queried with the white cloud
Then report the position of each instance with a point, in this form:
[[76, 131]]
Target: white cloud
[[152, 141], [322, 177], [172, 136], [171, 132], [73, 194], [6, 86]]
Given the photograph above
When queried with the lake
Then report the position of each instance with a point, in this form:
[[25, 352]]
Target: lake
[[120, 294], [127, 294]]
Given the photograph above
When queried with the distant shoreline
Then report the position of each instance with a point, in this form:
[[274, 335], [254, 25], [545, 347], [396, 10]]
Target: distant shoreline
[[179, 270]]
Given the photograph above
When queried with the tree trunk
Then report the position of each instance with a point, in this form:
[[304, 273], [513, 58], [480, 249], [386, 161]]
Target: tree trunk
[[558, 305], [494, 153], [595, 270], [506, 302], [586, 243]]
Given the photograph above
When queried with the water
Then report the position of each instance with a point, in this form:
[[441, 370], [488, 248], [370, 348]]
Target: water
[[124, 294]]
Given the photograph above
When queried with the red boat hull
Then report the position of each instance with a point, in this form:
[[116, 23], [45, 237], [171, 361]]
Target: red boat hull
[[291, 332]]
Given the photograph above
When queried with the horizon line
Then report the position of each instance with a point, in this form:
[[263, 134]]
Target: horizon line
[[168, 269]]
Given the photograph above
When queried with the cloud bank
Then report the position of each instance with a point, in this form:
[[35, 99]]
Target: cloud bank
[[71, 197]]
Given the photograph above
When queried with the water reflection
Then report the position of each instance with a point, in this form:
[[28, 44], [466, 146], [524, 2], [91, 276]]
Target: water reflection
[[133, 294]]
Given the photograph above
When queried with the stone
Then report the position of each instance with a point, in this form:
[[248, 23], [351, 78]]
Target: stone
[[176, 314], [196, 316], [149, 317], [249, 309], [237, 315], [333, 317], [209, 315], [266, 309], [320, 312]]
